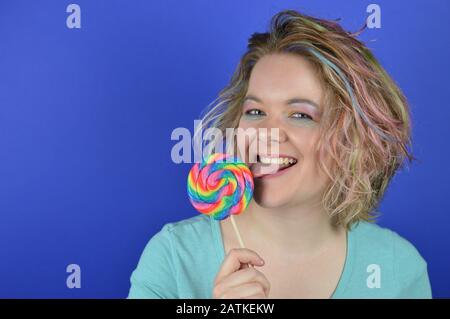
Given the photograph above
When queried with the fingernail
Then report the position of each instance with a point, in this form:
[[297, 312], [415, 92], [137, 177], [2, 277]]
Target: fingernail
[[261, 262]]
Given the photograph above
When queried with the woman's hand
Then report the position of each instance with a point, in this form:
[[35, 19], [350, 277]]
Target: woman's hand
[[236, 280]]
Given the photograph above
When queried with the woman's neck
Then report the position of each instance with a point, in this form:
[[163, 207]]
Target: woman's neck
[[300, 229]]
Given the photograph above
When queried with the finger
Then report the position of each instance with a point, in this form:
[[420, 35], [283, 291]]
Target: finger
[[242, 291], [234, 260], [245, 276]]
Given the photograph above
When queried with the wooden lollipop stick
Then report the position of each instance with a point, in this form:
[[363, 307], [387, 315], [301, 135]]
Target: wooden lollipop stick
[[238, 234], [236, 230]]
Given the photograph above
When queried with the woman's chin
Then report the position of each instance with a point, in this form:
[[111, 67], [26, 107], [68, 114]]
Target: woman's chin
[[271, 198], [273, 191]]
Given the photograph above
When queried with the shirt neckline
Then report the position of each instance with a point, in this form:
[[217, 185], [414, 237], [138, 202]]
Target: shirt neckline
[[346, 271]]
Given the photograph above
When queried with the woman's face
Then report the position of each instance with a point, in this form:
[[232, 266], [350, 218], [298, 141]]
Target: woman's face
[[285, 93]]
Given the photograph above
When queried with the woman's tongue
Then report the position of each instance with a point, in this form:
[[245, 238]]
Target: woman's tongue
[[258, 169]]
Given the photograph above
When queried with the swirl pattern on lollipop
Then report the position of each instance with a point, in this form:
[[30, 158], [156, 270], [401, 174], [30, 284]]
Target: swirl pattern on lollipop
[[220, 189]]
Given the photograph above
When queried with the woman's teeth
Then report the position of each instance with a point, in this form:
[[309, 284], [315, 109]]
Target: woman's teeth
[[277, 160]]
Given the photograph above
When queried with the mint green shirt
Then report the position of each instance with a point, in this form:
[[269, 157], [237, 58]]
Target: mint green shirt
[[182, 260]]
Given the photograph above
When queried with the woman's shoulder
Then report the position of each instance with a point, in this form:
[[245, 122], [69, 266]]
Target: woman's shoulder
[[199, 220], [176, 261], [195, 234], [381, 251], [371, 237], [196, 227], [175, 239]]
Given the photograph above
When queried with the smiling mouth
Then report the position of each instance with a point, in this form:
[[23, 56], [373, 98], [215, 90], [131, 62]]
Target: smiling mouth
[[268, 166]]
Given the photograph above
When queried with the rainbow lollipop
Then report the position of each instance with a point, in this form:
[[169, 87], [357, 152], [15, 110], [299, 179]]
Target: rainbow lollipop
[[220, 189]]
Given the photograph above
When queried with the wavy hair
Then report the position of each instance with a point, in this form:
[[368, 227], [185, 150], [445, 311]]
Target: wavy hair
[[365, 128]]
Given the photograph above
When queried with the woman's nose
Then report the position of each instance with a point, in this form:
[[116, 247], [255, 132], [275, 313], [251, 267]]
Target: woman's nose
[[272, 131]]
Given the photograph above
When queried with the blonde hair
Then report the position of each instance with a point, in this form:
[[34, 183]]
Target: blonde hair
[[365, 127]]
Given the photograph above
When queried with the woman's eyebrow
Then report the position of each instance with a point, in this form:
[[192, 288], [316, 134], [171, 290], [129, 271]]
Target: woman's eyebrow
[[295, 100]]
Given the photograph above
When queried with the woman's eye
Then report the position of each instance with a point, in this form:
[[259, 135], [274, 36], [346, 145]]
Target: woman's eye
[[298, 115], [254, 112]]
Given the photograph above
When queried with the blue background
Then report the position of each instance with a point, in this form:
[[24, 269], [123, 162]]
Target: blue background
[[86, 117]]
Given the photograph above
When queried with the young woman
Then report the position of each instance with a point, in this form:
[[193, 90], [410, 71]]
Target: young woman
[[345, 126]]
